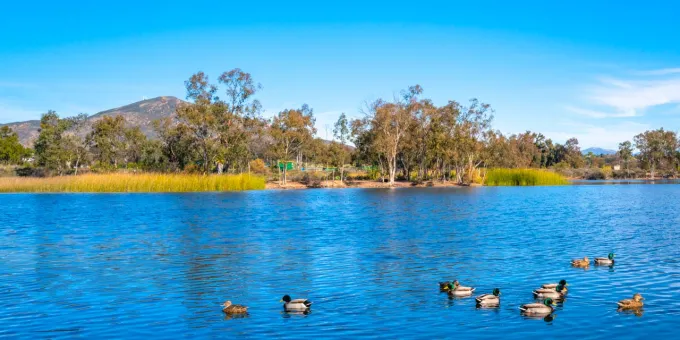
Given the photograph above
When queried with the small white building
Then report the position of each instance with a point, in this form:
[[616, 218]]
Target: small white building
[[617, 167]]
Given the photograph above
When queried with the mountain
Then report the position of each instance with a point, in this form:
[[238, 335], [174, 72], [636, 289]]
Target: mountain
[[141, 114], [598, 151]]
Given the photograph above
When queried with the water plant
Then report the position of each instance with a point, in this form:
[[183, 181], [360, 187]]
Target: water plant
[[523, 177], [126, 182]]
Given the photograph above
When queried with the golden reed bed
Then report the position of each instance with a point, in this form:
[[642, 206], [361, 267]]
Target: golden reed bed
[[523, 177], [133, 183]]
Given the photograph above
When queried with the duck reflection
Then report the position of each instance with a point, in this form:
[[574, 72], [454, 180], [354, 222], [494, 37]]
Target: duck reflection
[[236, 316], [287, 315], [635, 311]]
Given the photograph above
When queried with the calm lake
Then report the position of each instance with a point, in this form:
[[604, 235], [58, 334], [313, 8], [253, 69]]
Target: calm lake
[[160, 265]]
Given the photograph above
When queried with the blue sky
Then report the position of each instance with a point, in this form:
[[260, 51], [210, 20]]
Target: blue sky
[[601, 71]]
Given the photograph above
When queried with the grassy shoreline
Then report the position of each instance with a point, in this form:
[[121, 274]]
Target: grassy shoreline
[[118, 182], [159, 183]]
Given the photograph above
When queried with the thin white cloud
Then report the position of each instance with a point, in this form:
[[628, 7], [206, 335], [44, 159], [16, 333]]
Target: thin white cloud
[[604, 136], [660, 72], [599, 114], [617, 97]]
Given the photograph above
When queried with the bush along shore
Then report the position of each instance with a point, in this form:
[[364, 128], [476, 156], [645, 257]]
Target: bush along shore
[[126, 182]]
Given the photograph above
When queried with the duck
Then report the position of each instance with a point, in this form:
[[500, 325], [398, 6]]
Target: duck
[[230, 308], [554, 285], [295, 305], [605, 261], [455, 289], [556, 293], [581, 263], [635, 302], [444, 286], [544, 308], [489, 300]]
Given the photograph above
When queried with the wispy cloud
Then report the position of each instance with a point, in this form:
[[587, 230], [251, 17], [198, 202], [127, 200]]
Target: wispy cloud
[[613, 97], [589, 135], [600, 114], [660, 72]]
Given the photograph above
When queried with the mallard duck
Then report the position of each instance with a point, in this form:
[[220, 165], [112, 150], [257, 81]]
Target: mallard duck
[[554, 293], [605, 261], [455, 289], [581, 263], [488, 300], [635, 302], [297, 305], [230, 308], [554, 285], [444, 286], [538, 308]]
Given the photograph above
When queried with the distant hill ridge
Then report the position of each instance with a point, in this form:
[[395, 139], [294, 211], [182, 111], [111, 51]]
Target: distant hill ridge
[[599, 151], [141, 113]]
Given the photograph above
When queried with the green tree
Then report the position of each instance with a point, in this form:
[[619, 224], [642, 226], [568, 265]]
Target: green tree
[[390, 122], [291, 130], [50, 149], [625, 154], [572, 153], [474, 122], [341, 133], [11, 150], [176, 143], [657, 149], [74, 145], [108, 141]]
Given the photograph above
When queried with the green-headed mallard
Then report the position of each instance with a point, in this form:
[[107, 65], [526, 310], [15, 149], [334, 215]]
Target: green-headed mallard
[[605, 261], [489, 300], [455, 289], [444, 286], [230, 308], [538, 308], [635, 302], [581, 263], [556, 293], [554, 285], [296, 305]]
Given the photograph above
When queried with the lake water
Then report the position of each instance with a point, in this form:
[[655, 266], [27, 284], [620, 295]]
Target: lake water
[[159, 265]]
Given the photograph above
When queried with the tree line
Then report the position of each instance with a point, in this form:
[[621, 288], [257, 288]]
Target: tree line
[[221, 129]]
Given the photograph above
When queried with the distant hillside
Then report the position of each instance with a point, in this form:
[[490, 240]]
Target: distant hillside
[[598, 151], [141, 113]]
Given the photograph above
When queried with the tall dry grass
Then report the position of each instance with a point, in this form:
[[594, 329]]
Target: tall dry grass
[[523, 177], [148, 182]]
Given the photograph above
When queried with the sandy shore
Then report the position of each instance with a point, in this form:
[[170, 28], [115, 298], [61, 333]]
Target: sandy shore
[[359, 184]]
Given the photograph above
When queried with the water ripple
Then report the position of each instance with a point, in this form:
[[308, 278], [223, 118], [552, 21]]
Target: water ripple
[[143, 265]]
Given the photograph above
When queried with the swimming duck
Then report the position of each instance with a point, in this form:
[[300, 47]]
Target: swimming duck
[[455, 289], [538, 308], [444, 286], [581, 263], [605, 261], [635, 302], [489, 300], [230, 308], [554, 285], [557, 293], [297, 305]]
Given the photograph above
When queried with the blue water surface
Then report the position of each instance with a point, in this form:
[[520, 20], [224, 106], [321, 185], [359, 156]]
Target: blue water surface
[[159, 265]]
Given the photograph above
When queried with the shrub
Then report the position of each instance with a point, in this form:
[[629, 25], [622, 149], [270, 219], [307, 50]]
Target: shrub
[[257, 166]]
